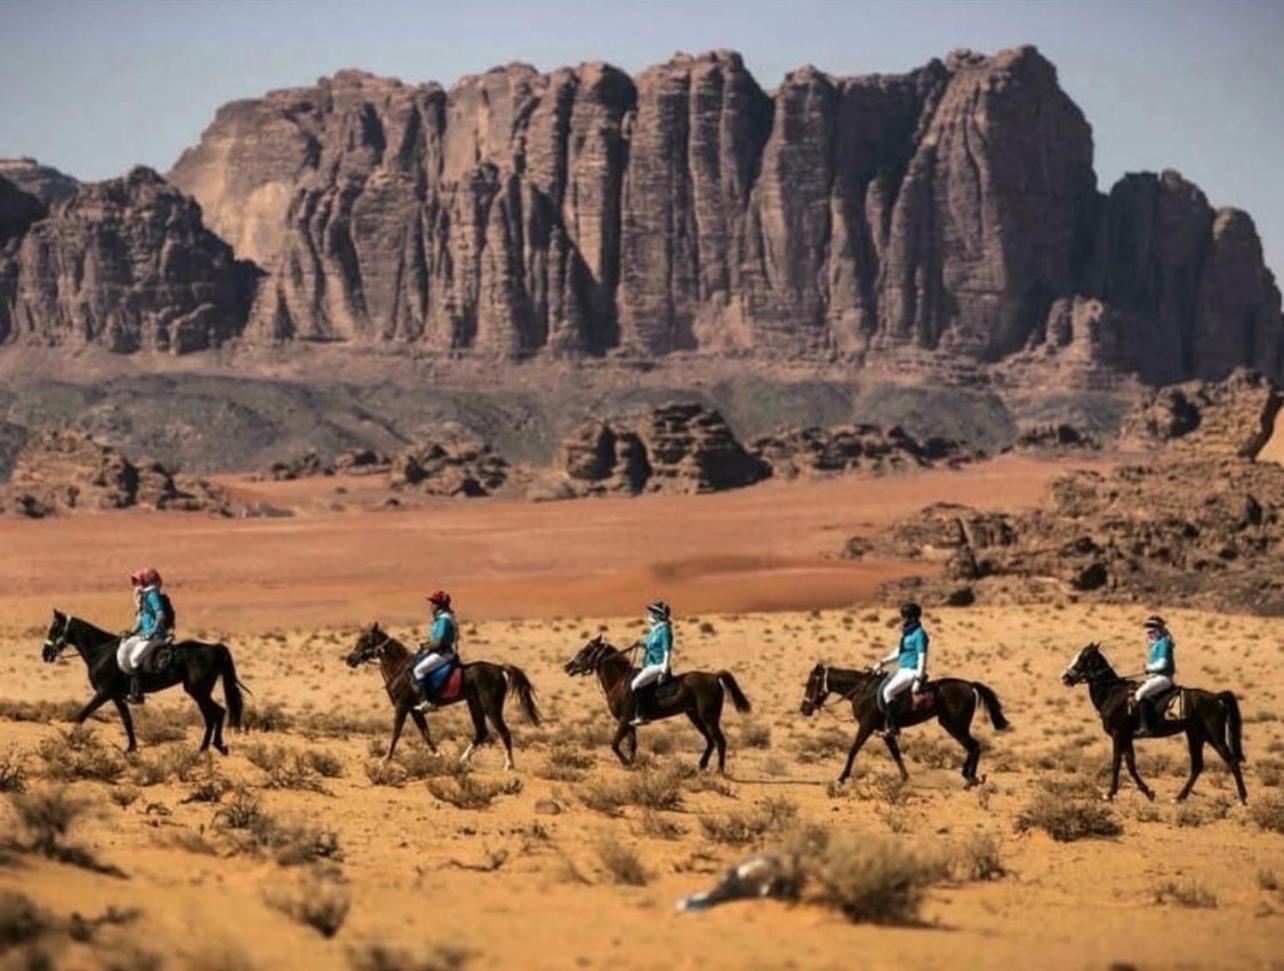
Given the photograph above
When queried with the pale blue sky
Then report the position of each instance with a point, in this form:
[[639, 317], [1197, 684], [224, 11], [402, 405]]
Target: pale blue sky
[[95, 86]]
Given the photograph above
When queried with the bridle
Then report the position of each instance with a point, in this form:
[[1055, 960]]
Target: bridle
[[56, 645]]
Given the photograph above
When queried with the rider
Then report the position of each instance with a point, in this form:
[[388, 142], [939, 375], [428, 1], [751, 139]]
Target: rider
[[150, 629], [440, 648], [911, 669], [1160, 668], [657, 659]]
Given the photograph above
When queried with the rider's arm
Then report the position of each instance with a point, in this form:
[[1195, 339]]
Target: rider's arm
[[920, 670], [896, 652], [666, 645]]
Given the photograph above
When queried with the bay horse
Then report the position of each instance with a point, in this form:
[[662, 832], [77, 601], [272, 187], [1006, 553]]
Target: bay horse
[[697, 694], [483, 685], [951, 701], [195, 665], [1209, 718]]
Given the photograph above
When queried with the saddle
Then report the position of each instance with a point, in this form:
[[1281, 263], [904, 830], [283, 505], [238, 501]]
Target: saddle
[[446, 682], [659, 692], [160, 657], [1168, 705], [907, 702]]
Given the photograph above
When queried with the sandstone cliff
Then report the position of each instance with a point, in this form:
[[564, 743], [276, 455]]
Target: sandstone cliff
[[945, 217]]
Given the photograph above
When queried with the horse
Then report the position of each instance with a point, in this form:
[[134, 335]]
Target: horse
[[194, 664], [1208, 717], [951, 701], [696, 694], [483, 685]]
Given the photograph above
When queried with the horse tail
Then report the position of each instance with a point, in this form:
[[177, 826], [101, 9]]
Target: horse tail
[[728, 681], [1234, 724], [231, 686], [521, 684], [991, 702]]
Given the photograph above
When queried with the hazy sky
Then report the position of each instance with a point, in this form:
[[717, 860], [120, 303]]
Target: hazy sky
[[95, 86]]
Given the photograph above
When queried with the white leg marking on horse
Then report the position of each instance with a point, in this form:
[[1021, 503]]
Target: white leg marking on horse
[[508, 763], [468, 753]]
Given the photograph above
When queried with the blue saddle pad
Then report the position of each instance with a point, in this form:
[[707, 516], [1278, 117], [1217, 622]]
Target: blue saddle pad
[[437, 679]]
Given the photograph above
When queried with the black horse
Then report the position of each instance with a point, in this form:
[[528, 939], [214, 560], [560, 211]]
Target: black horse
[[195, 665], [1208, 717], [696, 694], [951, 701], [484, 686]]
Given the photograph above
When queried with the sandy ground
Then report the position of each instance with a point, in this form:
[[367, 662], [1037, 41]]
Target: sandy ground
[[771, 547], [513, 887]]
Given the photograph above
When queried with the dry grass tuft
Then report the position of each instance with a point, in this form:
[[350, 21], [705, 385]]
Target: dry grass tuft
[[1185, 895], [381, 957], [621, 863], [13, 771], [466, 792], [1268, 813], [320, 901], [47, 816], [78, 754], [1067, 818], [21, 920], [740, 829]]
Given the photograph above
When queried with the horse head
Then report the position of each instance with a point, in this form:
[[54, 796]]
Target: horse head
[[816, 690], [56, 639], [1088, 665], [370, 646], [589, 657]]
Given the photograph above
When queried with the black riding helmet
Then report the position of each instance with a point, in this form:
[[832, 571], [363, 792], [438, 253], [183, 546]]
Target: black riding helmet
[[911, 612]]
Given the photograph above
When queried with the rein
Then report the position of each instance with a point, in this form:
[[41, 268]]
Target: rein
[[59, 643]]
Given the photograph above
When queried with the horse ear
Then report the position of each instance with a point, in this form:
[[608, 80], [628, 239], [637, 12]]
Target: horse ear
[[375, 626]]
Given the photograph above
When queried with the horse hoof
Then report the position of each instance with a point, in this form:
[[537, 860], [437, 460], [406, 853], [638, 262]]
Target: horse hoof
[[222, 749], [1148, 794], [1108, 797]]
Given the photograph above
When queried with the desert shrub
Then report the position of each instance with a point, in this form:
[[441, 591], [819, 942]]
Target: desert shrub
[[868, 879], [20, 919], [77, 754], [47, 817], [257, 831], [823, 746], [381, 957], [980, 857], [755, 735], [466, 792], [325, 764], [739, 829], [565, 756], [1067, 818], [605, 796], [320, 902], [190, 840], [1270, 772], [13, 771], [1185, 895], [658, 827], [243, 811], [285, 769], [1268, 813], [43, 712], [656, 788], [156, 726], [123, 796], [381, 772], [419, 763], [270, 716], [1267, 880], [1188, 817], [930, 751], [620, 862], [181, 762]]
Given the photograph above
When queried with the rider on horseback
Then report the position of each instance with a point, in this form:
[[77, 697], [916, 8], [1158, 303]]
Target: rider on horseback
[[911, 657], [439, 649], [656, 660], [152, 623], [1160, 666]]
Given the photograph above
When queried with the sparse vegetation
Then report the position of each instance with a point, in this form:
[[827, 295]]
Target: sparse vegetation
[[47, 817], [78, 754], [877, 880], [381, 957], [621, 863], [1067, 818], [466, 792], [1188, 894], [13, 772], [742, 828], [320, 901], [980, 858], [1268, 813]]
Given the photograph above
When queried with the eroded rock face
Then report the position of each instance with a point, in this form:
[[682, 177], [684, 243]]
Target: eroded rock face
[[952, 210], [61, 471], [461, 468], [1235, 417], [42, 181], [871, 449], [125, 264]]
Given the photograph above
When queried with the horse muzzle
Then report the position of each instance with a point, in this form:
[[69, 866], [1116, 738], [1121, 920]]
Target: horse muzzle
[[1069, 679], [807, 708], [49, 653]]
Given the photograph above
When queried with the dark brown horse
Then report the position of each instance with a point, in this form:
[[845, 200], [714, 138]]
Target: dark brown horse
[[951, 701], [1210, 718], [194, 665], [696, 694], [484, 687]]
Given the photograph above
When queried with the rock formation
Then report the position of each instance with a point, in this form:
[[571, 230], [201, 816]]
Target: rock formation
[[42, 181], [60, 471], [461, 468], [855, 448], [1235, 417], [126, 264]]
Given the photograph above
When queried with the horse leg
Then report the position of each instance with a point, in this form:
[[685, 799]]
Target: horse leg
[[708, 739], [1196, 746], [422, 724], [97, 701], [212, 712], [720, 740], [398, 720], [497, 719], [1115, 764], [128, 721], [480, 734], [894, 747], [863, 732], [1222, 749], [1130, 757], [622, 731], [973, 749]]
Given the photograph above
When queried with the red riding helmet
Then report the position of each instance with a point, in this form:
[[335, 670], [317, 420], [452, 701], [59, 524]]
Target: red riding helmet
[[440, 599], [146, 577]]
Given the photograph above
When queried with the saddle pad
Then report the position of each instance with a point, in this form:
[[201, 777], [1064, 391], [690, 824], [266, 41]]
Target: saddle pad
[[1172, 704], [667, 688], [446, 687], [920, 700]]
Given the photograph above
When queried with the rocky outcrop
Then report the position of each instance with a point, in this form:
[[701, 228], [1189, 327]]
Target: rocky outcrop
[[676, 448], [61, 471], [42, 181], [353, 461], [461, 468], [869, 449], [951, 212], [18, 210], [125, 264], [1235, 417]]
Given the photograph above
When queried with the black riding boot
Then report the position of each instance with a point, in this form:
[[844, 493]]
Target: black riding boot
[[632, 711], [136, 689], [889, 721], [1146, 716]]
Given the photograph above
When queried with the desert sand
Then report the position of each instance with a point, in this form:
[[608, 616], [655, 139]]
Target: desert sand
[[509, 885]]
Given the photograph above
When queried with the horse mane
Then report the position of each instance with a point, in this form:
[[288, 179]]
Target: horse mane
[[102, 635]]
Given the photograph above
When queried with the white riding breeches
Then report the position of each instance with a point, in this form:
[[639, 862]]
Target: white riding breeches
[[898, 683], [1152, 686], [648, 675], [428, 664], [133, 651]]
